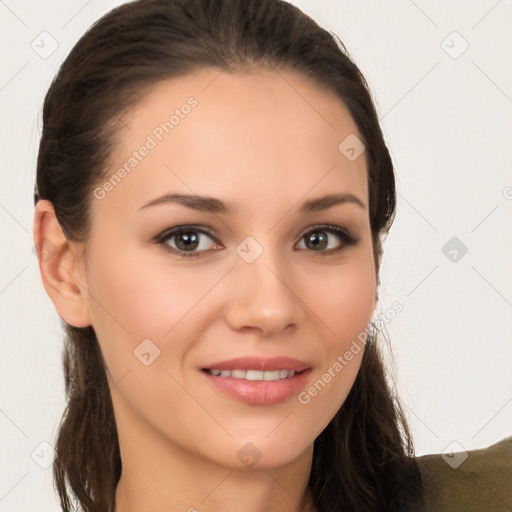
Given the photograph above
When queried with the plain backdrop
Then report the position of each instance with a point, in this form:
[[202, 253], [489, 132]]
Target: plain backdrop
[[441, 77]]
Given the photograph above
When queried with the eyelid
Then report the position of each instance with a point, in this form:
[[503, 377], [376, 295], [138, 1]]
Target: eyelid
[[330, 227], [167, 233]]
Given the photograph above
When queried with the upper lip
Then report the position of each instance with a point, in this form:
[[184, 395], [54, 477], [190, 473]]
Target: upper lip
[[259, 363]]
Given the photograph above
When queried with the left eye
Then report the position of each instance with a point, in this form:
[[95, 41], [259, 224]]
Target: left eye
[[319, 238]]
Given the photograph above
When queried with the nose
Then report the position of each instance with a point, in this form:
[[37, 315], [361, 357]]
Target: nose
[[264, 296]]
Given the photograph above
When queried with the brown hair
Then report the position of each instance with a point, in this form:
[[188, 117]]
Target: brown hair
[[363, 460]]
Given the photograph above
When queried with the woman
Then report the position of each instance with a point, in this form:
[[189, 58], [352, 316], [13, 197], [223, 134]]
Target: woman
[[213, 189]]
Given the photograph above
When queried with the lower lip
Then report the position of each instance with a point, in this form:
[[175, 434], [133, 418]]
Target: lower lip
[[260, 392]]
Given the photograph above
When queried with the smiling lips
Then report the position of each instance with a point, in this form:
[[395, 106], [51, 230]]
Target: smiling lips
[[253, 374], [258, 381]]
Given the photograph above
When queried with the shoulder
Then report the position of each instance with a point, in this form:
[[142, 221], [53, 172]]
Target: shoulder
[[476, 480]]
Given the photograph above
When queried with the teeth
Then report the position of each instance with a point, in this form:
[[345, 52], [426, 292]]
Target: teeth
[[254, 374]]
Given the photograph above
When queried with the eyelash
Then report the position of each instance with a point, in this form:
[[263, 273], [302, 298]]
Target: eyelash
[[346, 238]]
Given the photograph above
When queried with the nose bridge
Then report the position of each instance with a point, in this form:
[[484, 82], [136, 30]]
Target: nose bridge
[[263, 296]]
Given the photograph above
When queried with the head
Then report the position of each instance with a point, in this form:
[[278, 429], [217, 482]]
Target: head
[[251, 105]]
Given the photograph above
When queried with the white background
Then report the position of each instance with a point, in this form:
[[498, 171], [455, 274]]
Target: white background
[[448, 124]]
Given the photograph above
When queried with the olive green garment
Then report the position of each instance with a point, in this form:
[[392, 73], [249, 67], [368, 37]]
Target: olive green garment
[[482, 482]]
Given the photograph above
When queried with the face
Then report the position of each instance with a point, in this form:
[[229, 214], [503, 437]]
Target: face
[[240, 262]]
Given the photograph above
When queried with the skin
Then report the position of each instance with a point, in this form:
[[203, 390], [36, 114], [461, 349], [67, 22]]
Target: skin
[[266, 142]]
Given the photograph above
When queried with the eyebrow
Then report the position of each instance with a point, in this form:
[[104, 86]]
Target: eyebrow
[[216, 206]]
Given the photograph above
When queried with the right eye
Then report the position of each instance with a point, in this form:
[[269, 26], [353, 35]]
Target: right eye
[[188, 241]]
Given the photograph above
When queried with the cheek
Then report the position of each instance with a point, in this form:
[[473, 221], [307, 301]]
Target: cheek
[[345, 307], [343, 299], [355, 304], [132, 301], [138, 299]]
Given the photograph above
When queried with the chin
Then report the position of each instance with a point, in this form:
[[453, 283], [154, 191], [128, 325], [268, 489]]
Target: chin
[[253, 453]]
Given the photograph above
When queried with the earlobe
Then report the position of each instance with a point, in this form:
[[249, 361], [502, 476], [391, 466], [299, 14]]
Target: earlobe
[[61, 270]]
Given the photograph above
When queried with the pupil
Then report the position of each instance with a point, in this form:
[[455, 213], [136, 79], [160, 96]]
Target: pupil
[[317, 240], [189, 240]]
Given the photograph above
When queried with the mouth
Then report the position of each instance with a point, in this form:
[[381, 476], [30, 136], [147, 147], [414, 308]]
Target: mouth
[[253, 375], [258, 381]]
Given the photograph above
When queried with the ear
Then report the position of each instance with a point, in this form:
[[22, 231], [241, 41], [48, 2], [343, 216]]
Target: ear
[[61, 267]]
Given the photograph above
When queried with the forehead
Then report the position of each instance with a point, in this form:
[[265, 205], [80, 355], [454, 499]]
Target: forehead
[[252, 133]]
